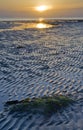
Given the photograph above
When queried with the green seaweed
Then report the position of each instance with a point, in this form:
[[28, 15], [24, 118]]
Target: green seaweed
[[45, 105]]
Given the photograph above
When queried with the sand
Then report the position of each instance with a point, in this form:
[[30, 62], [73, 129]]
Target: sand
[[37, 62]]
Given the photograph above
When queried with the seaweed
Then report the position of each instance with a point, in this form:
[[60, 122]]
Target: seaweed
[[45, 105]]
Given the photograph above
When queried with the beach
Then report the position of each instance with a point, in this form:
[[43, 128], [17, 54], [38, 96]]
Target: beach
[[41, 58]]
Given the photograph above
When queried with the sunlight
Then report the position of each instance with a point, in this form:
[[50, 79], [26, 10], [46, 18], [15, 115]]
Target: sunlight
[[42, 8], [43, 25]]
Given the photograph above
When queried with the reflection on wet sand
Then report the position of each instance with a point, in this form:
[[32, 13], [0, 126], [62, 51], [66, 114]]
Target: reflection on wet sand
[[43, 25], [22, 26]]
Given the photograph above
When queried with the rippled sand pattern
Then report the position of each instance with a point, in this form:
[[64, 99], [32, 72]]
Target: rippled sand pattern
[[37, 62]]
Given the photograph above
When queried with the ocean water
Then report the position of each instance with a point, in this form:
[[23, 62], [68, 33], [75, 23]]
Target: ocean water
[[39, 58]]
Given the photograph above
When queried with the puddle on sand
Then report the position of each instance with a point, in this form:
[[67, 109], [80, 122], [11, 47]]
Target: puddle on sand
[[22, 26]]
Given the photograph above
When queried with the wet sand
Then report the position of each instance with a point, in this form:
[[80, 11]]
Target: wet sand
[[35, 62]]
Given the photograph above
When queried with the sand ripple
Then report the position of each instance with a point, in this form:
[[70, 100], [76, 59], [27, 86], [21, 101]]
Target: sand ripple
[[35, 63]]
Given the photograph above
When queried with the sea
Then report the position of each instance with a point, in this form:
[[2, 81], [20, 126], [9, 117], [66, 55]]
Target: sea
[[41, 58]]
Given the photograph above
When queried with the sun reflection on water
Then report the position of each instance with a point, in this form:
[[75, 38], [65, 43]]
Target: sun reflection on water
[[26, 25], [43, 25], [39, 25]]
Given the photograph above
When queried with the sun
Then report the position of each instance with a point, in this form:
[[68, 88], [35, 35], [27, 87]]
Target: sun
[[41, 8]]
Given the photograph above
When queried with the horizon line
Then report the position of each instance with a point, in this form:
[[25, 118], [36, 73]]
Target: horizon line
[[32, 19]]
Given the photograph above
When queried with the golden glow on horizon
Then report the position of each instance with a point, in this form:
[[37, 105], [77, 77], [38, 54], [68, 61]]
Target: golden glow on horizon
[[41, 19], [42, 8]]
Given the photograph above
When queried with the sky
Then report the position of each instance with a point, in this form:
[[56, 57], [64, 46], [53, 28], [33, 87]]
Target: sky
[[27, 8]]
